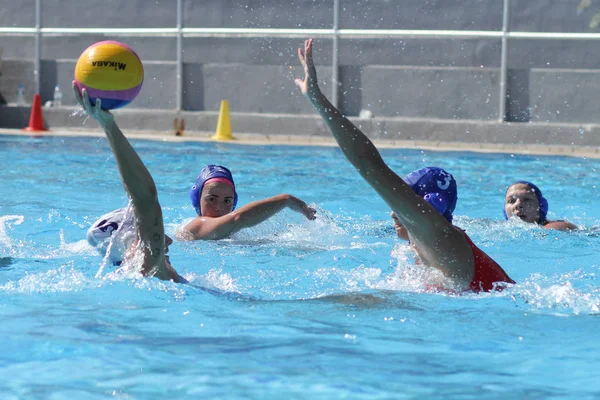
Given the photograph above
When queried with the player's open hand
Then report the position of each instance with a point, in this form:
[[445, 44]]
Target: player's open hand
[[309, 85], [95, 111]]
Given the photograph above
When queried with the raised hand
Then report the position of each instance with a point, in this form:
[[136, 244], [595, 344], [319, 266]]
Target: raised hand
[[300, 206], [103, 117], [309, 86]]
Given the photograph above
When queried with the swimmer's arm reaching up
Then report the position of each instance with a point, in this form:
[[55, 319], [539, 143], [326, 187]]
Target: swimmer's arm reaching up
[[438, 242], [204, 228], [141, 188]]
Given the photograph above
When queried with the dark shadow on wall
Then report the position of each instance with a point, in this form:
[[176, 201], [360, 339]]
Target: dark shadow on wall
[[49, 74], [518, 108], [350, 91], [2, 99], [193, 87], [15, 117]]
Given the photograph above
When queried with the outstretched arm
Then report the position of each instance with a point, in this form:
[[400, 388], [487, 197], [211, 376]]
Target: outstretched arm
[[141, 188], [438, 242], [412, 211], [249, 215]]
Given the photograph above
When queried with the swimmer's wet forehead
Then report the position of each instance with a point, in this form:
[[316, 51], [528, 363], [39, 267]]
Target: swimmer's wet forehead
[[521, 191], [218, 189]]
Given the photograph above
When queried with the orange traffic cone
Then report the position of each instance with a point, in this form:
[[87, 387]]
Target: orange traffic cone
[[36, 120]]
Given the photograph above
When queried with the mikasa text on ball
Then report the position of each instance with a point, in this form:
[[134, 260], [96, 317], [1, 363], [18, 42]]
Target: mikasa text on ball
[[111, 71]]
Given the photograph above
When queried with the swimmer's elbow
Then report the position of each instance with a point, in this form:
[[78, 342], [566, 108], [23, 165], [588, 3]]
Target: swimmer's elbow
[[217, 232], [184, 235], [142, 192], [145, 202], [150, 196]]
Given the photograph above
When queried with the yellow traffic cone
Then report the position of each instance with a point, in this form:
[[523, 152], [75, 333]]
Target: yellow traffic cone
[[224, 124]]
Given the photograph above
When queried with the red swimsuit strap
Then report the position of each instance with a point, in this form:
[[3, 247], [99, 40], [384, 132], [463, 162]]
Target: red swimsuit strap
[[487, 271]]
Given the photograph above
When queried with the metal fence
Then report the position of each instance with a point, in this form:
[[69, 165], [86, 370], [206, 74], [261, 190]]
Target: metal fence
[[335, 33]]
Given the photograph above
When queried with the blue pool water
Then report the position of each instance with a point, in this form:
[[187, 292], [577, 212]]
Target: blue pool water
[[292, 309]]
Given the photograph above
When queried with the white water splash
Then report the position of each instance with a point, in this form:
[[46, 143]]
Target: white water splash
[[80, 112], [63, 279], [5, 223], [559, 298], [215, 279]]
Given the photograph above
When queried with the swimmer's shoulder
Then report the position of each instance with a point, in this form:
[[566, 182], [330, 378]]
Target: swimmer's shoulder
[[208, 228], [189, 229], [560, 225]]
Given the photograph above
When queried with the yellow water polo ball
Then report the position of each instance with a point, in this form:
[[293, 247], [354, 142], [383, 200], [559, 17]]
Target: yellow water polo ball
[[111, 71]]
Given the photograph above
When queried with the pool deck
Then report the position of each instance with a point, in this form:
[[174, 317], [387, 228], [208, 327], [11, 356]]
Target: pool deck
[[298, 140], [575, 140]]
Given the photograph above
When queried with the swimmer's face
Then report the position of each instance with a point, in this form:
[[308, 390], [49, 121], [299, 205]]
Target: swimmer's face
[[216, 199], [399, 228], [521, 201]]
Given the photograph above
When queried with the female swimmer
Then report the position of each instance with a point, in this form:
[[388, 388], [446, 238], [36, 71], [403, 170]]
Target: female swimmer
[[214, 198], [437, 242], [524, 200]]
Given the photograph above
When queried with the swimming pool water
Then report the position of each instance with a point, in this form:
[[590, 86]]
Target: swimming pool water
[[293, 309]]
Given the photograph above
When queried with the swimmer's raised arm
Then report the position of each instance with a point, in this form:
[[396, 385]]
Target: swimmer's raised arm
[[137, 180], [247, 216], [141, 188], [359, 149], [438, 241]]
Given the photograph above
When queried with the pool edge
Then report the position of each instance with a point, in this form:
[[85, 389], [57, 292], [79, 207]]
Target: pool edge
[[250, 139]]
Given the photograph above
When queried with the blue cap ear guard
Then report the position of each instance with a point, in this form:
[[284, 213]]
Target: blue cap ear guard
[[210, 172], [538, 193], [437, 187], [437, 201]]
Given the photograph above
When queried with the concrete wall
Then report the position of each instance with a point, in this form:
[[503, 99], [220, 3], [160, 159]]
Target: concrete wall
[[281, 128], [549, 80]]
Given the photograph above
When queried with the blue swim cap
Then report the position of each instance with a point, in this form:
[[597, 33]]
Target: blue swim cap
[[538, 194], [210, 172], [437, 187]]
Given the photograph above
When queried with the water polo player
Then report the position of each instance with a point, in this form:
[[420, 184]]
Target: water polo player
[[438, 243], [524, 200], [214, 197], [150, 238]]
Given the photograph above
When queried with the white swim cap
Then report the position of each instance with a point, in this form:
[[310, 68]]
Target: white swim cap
[[114, 231]]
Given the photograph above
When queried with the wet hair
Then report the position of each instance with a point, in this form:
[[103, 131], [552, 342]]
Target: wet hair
[[538, 193], [437, 187], [207, 173]]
